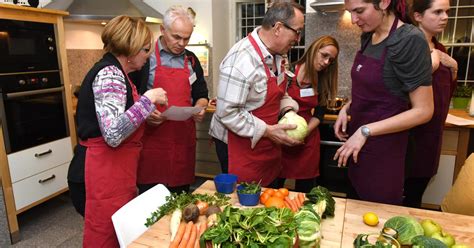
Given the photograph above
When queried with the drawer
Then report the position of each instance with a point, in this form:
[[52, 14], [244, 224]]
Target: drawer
[[40, 158], [39, 186]]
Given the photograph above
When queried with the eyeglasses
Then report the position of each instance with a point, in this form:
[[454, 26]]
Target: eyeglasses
[[297, 32], [327, 56]]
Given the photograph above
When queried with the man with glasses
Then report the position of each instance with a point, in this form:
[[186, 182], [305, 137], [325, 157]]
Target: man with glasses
[[169, 147], [251, 95]]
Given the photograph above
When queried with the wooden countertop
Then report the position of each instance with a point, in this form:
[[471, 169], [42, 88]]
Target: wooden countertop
[[341, 230], [158, 235], [460, 226]]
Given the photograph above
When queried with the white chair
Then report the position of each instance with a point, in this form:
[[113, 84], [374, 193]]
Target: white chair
[[129, 221]]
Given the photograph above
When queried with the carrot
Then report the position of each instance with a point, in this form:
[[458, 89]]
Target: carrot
[[301, 197], [187, 235], [192, 239], [297, 202], [287, 205], [175, 242], [291, 203], [202, 229]]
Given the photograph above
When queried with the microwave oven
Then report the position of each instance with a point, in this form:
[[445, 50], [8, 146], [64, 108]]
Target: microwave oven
[[27, 46]]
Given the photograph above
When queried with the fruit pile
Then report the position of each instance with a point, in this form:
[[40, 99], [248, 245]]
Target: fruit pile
[[280, 198], [433, 230], [408, 231]]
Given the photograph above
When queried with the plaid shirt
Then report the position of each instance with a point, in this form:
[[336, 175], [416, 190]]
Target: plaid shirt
[[243, 88]]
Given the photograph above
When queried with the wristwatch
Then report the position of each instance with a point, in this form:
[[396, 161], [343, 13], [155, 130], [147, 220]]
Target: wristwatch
[[365, 131]]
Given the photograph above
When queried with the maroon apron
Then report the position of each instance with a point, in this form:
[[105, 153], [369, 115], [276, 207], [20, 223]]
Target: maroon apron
[[378, 174], [427, 137], [110, 178], [262, 162], [169, 149], [302, 162]]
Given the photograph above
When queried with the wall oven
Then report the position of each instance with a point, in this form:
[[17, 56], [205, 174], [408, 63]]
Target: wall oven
[[27, 46], [331, 176], [32, 109]]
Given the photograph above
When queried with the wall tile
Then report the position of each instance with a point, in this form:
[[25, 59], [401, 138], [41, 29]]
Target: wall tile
[[347, 35]]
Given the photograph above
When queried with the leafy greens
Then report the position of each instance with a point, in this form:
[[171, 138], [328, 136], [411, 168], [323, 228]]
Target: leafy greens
[[252, 227]]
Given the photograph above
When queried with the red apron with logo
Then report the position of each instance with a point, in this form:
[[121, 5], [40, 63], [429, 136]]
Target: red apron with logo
[[110, 178], [302, 162], [262, 162], [169, 149], [427, 137]]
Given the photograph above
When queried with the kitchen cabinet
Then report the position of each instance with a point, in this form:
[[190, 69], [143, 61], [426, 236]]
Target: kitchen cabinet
[[33, 175]]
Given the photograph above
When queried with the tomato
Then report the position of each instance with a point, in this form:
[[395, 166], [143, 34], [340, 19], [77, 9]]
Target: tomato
[[279, 195], [264, 197], [284, 191], [275, 202], [270, 192]]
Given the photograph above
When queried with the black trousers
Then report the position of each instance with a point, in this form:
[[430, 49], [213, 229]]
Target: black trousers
[[77, 192], [222, 154], [414, 188], [178, 189]]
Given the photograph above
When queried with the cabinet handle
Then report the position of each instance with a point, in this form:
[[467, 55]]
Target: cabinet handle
[[43, 153], [47, 179], [331, 143]]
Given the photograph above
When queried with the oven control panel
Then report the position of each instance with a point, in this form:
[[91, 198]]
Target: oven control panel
[[29, 81]]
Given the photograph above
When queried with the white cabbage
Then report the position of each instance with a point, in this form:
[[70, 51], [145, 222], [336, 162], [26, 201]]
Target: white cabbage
[[301, 129]]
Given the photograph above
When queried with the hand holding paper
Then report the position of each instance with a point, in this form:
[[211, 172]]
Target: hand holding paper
[[175, 113]]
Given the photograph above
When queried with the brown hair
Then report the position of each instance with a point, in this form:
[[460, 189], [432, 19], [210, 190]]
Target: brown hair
[[126, 36], [400, 8], [327, 78]]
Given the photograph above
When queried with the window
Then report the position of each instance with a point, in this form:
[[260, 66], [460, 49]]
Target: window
[[458, 37], [250, 15], [298, 50]]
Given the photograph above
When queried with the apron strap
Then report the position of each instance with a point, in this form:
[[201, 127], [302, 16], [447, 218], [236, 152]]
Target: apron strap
[[257, 48]]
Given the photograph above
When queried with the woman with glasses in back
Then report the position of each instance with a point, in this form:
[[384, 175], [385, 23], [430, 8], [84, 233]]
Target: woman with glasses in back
[[313, 86], [424, 148]]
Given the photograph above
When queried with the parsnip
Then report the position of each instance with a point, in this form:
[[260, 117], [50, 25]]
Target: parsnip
[[175, 221]]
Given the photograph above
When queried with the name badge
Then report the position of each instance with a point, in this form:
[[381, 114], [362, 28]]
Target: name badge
[[306, 92], [192, 78], [281, 78]]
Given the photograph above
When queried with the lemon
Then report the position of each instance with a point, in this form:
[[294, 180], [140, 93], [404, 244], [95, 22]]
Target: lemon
[[371, 219]]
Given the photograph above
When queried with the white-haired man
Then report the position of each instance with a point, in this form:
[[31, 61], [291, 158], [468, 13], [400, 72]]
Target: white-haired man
[[169, 147]]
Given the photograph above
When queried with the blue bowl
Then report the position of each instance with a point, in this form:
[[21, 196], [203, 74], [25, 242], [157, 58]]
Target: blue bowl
[[248, 199], [225, 183]]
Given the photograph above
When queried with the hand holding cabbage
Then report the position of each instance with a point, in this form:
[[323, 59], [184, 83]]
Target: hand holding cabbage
[[301, 130]]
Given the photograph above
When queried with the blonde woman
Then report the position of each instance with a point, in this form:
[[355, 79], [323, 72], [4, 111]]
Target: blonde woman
[[110, 114], [314, 84]]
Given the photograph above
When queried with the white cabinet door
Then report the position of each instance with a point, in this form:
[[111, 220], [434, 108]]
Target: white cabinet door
[[442, 182], [40, 158]]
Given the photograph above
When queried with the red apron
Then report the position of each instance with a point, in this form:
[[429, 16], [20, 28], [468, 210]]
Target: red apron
[[426, 147], [262, 162], [110, 178], [302, 162], [169, 150]]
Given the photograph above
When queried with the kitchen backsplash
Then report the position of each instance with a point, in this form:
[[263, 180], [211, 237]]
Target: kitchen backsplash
[[80, 61], [347, 35]]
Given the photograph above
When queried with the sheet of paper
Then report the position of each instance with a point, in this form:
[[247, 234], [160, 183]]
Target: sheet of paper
[[458, 121], [175, 113]]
